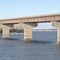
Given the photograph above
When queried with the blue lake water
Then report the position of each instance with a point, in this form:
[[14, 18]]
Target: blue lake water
[[42, 47]]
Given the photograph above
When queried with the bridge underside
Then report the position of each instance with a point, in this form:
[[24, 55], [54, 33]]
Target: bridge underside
[[28, 30], [26, 26], [28, 23]]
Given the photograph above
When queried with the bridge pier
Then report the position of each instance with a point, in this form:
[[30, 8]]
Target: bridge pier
[[28, 34], [5, 33], [58, 36], [27, 30], [57, 25]]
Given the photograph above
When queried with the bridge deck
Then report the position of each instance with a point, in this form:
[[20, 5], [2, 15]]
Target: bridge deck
[[45, 18]]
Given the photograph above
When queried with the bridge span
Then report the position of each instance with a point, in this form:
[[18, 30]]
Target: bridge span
[[27, 23], [35, 19]]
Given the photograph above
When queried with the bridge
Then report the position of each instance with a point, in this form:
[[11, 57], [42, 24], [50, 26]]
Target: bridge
[[27, 23]]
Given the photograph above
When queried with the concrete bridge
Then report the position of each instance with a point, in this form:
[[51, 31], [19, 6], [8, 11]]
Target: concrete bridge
[[27, 23]]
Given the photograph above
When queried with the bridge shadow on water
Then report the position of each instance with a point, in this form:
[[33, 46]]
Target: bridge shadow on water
[[43, 42], [33, 41], [40, 41], [10, 39]]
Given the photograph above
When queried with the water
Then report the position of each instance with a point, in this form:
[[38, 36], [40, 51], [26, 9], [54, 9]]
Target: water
[[43, 47]]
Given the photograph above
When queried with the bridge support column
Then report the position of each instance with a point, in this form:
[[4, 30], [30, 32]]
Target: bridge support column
[[28, 34], [57, 25], [5, 33], [58, 36], [27, 31]]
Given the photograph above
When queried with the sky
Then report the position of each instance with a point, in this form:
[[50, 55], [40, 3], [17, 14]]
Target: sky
[[22, 8]]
